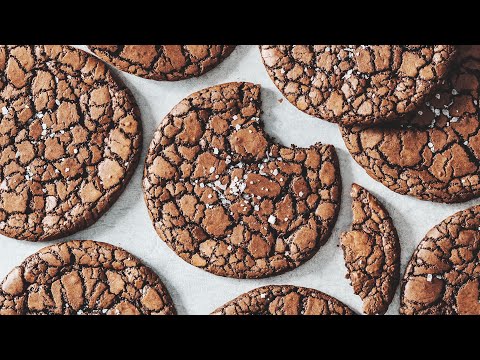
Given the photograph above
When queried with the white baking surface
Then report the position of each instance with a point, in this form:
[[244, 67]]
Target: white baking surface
[[195, 291]]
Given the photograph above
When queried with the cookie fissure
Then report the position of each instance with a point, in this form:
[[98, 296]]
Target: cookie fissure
[[356, 84], [163, 62], [284, 300], [226, 198], [433, 153], [83, 277], [371, 252], [70, 139], [442, 277]]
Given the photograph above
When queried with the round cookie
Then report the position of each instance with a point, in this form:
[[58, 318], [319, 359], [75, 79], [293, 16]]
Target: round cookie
[[83, 277], [163, 62], [70, 139], [284, 300], [443, 275], [371, 250], [229, 200], [356, 84], [433, 153]]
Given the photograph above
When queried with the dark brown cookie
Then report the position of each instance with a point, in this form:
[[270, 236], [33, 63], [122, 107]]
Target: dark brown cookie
[[434, 153], [83, 277], [226, 198], [163, 62], [356, 84], [372, 252], [284, 300], [70, 138], [443, 275]]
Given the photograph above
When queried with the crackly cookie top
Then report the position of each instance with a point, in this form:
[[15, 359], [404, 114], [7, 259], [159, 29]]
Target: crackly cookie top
[[70, 137], [226, 198], [163, 62], [443, 275], [284, 300], [372, 252], [433, 153], [83, 277], [356, 84]]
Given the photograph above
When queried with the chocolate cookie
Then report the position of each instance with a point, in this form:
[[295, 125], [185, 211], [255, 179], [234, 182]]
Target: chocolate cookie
[[163, 62], [284, 300], [443, 275], [356, 84], [226, 198], [83, 277], [70, 138], [372, 252], [434, 153]]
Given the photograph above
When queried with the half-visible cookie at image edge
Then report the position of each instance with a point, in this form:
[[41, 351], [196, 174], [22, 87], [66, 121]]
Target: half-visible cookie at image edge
[[372, 252], [443, 275], [70, 139], [229, 200], [83, 278], [284, 300], [163, 62], [433, 153], [356, 84]]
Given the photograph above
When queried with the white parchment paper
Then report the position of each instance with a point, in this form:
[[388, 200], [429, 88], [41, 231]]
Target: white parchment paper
[[195, 291]]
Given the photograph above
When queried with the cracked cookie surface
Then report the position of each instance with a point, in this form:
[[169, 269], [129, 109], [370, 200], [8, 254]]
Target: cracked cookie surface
[[443, 275], [163, 62], [371, 250], [284, 300], [433, 153], [70, 139], [83, 277], [356, 84], [229, 200]]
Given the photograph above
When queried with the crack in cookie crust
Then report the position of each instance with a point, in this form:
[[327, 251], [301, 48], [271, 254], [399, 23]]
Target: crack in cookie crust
[[356, 84], [433, 153], [284, 300], [372, 252], [442, 277], [83, 277], [163, 62], [70, 138], [229, 200]]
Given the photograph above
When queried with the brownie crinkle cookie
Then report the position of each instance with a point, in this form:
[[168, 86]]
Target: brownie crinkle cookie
[[70, 138], [433, 153], [356, 84], [372, 252], [284, 300], [229, 200], [443, 275], [83, 277], [163, 62]]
